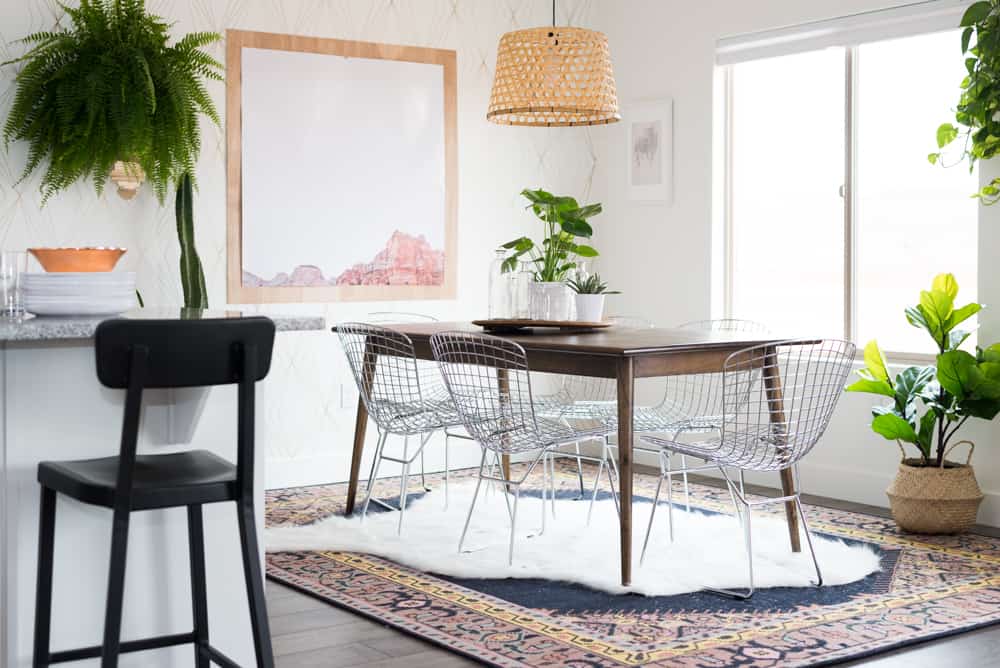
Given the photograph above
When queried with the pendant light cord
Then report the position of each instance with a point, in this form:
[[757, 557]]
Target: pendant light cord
[[553, 12]]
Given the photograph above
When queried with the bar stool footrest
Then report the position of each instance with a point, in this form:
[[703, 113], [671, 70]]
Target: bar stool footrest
[[129, 646]]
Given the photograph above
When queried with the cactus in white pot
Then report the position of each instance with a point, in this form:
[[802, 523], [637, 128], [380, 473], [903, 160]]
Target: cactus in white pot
[[590, 293]]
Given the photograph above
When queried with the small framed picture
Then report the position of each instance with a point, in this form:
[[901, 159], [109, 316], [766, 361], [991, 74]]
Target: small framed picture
[[649, 125]]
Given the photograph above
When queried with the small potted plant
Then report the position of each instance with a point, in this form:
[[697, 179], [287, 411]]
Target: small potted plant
[[556, 256], [930, 404], [590, 292]]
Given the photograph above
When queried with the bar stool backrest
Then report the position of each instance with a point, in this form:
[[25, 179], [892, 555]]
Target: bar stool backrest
[[184, 353], [138, 354]]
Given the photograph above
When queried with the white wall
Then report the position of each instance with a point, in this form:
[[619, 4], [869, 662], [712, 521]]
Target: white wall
[[660, 255], [310, 414]]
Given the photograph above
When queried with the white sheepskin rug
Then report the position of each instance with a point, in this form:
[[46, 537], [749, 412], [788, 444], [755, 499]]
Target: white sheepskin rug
[[707, 550]]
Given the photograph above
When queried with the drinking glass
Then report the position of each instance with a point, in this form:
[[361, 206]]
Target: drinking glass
[[13, 264]]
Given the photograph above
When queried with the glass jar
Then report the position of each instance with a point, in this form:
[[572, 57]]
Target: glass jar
[[499, 287], [520, 295]]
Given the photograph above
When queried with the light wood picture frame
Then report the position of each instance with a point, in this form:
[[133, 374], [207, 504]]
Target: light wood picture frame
[[341, 170]]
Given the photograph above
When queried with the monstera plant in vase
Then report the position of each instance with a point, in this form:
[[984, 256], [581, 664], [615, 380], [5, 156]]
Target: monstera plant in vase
[[932, 492], [552, 261]]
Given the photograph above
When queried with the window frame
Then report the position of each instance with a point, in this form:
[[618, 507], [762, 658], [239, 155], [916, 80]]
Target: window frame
[[847, 194]]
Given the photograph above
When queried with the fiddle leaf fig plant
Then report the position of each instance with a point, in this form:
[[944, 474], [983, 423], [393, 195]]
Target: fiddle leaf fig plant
[[564, 221], [977, 123], [931, 403]]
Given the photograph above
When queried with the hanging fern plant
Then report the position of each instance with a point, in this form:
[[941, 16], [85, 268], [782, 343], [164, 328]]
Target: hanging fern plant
[[978, 112], [109, 87]]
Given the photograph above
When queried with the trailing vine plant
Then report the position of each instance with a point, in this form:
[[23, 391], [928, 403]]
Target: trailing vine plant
[[977, 116]]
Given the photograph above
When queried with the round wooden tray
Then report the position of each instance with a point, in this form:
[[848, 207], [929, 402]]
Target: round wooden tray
[[517, 325]]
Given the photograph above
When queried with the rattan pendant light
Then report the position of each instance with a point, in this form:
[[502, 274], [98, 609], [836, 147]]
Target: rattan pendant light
[[553, 76]]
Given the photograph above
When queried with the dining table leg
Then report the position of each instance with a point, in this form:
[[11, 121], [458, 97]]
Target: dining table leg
[[776, 411], [360, 427], [626, 386], [503, 391]]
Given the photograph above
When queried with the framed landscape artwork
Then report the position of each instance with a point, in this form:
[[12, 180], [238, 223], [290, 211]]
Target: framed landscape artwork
[[341, 170], [650, 150]]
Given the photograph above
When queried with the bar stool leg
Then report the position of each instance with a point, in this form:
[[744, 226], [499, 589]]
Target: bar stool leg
[[43, 589], [255, 585], [199, 590], [116, 589]]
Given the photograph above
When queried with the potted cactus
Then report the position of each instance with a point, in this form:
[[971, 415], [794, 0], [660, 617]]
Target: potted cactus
[[590, 292]]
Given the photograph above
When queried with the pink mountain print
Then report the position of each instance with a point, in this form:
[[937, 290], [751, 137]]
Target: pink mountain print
[[405, 260]]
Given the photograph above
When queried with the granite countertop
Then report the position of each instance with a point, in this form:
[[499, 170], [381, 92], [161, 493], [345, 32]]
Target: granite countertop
[[48, 328]]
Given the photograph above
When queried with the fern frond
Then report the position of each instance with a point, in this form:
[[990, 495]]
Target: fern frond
[[109, 87]]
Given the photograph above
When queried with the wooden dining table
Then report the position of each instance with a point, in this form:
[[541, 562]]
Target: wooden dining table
[[621, 354]]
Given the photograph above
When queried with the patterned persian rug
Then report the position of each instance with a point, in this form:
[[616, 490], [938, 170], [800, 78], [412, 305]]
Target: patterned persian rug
[[927, 587]]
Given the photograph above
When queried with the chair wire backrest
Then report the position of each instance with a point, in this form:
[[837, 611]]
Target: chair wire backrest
[[487, 378], [589, 388], [778, 400], [430, 379], [385, 370], [698, 396]]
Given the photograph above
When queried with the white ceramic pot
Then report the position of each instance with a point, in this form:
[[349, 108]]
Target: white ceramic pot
[[550, 301], [590, 308]]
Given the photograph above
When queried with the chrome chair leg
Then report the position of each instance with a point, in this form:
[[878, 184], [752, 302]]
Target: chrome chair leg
[[579, 470], [748, 544], [472, 506], [652, 514], [670, 497], [375, 467], [403, 488], [513, 526], [812, 551], [597, 484], [687, 490], [447, 470], [423, 474]]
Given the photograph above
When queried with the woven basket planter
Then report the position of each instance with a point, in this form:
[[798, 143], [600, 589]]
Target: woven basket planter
[[934, 500]]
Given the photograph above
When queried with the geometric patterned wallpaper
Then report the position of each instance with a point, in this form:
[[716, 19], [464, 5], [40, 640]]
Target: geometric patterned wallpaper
[[309, 410]]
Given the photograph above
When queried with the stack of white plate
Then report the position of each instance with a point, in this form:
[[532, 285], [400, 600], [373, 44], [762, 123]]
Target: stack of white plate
[[79, 293]]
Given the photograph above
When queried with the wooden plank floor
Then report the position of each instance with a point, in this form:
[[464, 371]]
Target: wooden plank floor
[[308, 633]]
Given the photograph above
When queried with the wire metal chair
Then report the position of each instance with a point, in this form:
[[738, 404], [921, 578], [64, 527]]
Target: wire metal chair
[[777, 400], [488, 380], [690, 402], [385, 370], [583, 398], [431, 385]]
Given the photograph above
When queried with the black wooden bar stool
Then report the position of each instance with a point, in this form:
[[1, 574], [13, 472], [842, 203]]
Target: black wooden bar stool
[[134, 355]]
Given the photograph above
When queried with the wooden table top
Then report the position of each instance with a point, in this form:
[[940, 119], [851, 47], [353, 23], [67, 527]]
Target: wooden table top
[[614, 341]]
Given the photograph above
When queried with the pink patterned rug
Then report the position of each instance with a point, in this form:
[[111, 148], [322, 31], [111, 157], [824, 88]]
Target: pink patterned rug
[[929, 587]]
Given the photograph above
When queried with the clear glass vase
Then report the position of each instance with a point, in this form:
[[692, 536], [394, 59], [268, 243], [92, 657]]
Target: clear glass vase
[[499, 286], [551, 301]]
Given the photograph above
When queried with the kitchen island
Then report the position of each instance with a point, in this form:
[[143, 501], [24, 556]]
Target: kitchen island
[[53, 408]]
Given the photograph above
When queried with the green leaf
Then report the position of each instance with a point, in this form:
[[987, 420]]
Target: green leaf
[[946, 134], [958, 373], [976, 13], [962, 314], [933, 158], [925, 437], [894, 428], [936, 307], [871, 387], [875, 361], [966, 38], [915, 316], [586, 251], [947, 284], [578, 228]]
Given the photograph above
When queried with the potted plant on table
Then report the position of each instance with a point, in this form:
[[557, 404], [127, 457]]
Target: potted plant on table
[[108, 96], [930, 404], [590, 292], [565, 221]]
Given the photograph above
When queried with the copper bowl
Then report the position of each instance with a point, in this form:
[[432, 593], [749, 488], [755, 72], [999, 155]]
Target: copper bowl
[[77, 259]]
